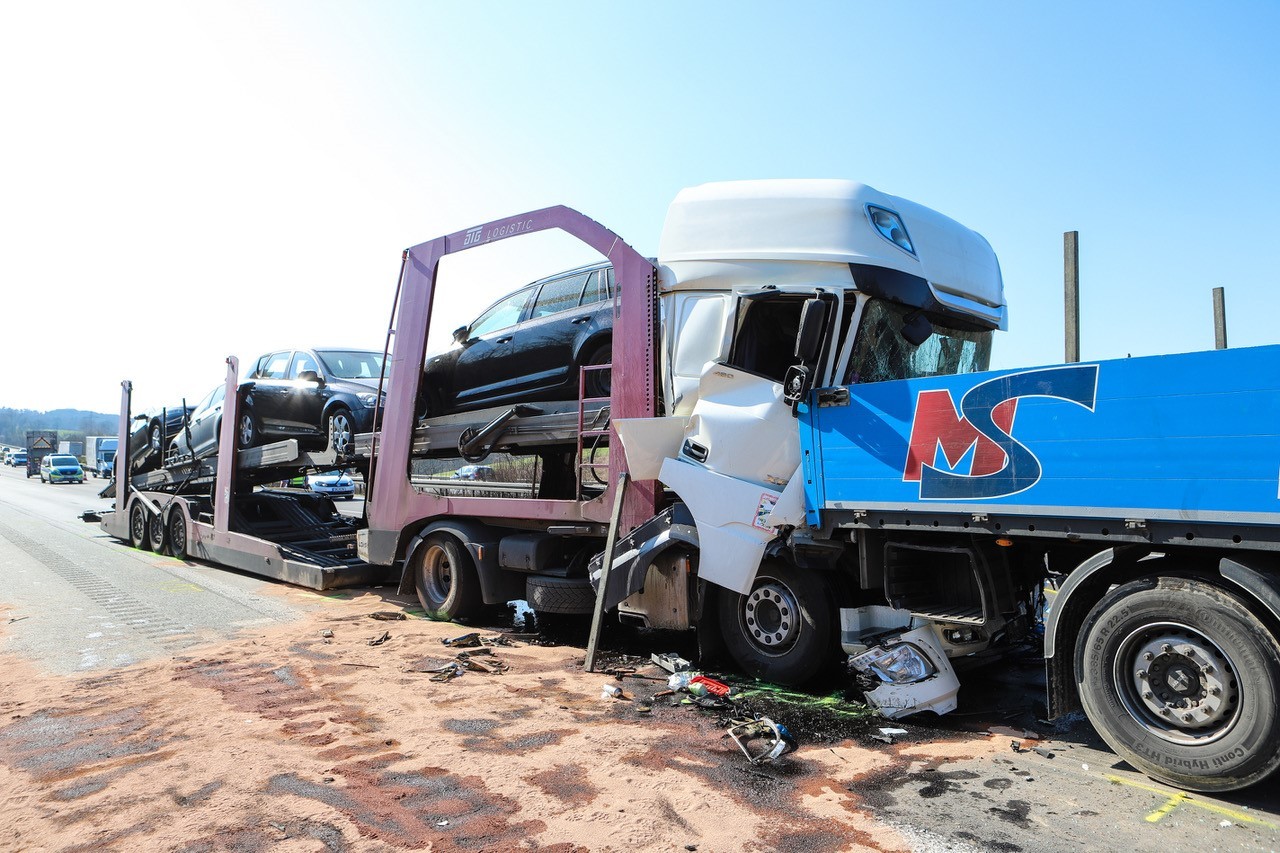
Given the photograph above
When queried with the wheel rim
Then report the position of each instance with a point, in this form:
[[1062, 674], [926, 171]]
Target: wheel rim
[[138, 524], [1178, 683], [437, 574], [178, 534], [770, 617], [246, 430], [155, 439], [155, 530], [340, 432]]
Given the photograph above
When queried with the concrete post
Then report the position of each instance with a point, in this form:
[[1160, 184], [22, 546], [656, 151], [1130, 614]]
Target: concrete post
[[1219, 319]]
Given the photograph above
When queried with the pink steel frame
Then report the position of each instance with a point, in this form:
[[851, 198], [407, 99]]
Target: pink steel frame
[[394, 504]]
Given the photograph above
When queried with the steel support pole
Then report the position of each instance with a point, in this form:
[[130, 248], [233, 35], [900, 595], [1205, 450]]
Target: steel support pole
[[1071, 285]]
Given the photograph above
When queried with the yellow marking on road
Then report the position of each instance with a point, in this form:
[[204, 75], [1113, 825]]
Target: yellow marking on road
[[1163, 812], [1180, 797]]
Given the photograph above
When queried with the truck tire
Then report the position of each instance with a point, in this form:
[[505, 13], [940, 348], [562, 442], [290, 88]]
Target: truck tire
[[782, 631], [177, 534], [446, 579], [139, 526], [560, 595], [157, 535], [1181, 679]]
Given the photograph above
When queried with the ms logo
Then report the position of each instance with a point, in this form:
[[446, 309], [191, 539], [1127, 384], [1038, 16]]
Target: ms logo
[[981, 433]]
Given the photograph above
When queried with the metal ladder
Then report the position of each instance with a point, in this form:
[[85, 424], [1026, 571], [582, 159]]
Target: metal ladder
[[594, 431]]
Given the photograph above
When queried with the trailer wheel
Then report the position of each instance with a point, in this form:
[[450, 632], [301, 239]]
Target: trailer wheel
[[139, 527], [156, 534], [782, 630], [340, 431], [246, 430], [446, 579], [560, 595], [1181, 679], [177, 533]]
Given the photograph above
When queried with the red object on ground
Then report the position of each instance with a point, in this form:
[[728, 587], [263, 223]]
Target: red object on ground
[[715, 688]]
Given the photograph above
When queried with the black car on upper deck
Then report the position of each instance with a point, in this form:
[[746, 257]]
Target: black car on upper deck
[[527, 347], [294, 393]]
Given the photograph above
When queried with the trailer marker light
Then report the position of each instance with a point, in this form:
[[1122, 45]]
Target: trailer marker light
[[1004, 542], [890, 226]]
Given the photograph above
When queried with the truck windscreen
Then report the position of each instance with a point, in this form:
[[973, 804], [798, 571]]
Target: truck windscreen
[[881, 353]]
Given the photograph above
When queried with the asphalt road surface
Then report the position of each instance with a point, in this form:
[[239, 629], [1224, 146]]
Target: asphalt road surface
[[79, 601]]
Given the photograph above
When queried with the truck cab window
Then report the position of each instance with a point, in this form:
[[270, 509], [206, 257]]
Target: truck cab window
[[764, 341], [881, 353]]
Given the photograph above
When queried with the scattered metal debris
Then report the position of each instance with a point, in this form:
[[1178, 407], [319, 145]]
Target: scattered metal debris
[[365, 665], [387, 615], [13, 619], [474, 640], [775, 740], [671, 662], [380, 639]]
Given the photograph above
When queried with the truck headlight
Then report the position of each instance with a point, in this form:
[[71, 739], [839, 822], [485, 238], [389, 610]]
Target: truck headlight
[[890, 226], [903, 663]]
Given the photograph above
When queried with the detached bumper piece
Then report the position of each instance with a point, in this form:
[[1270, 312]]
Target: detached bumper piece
[[910, 671]]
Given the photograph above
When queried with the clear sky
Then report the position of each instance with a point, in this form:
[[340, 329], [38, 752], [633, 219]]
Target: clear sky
[[184, 181]]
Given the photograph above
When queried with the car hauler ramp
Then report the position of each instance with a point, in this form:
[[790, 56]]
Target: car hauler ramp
[[209, 509]]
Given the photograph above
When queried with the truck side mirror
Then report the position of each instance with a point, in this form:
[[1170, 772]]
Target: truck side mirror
[[813, 318], [461, 334]]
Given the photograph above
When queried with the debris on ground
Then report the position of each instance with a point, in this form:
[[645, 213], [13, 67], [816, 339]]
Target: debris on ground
[[1042, 750], [387, 615], [327, 635], [774, 740], [380, 639], [671, 662], [613, 691], [474, 640]]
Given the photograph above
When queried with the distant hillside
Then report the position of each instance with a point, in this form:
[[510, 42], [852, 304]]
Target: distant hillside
[[71, 424]]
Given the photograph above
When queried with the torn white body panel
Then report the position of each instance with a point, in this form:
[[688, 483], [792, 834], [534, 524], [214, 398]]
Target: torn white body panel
[[729, 515], [648, 442], [742, 428]]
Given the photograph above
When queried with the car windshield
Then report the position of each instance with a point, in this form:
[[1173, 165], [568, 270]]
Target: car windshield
[[351, 364], [63, 460], [881, 353]]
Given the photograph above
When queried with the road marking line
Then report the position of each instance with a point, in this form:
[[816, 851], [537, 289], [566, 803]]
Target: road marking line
[[1183, 797], [1163, 812]]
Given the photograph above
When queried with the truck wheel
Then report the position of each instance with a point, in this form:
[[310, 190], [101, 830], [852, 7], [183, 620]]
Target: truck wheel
[[139, 527], [600, 382], [1181, 679], [340, 431], [446, 579], [177, 533], [157, 535], [782, 630], [560, 595]]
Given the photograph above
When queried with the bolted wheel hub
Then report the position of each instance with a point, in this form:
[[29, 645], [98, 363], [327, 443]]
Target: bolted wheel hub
[[1181, 686], [771, 617], [439, 573]]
